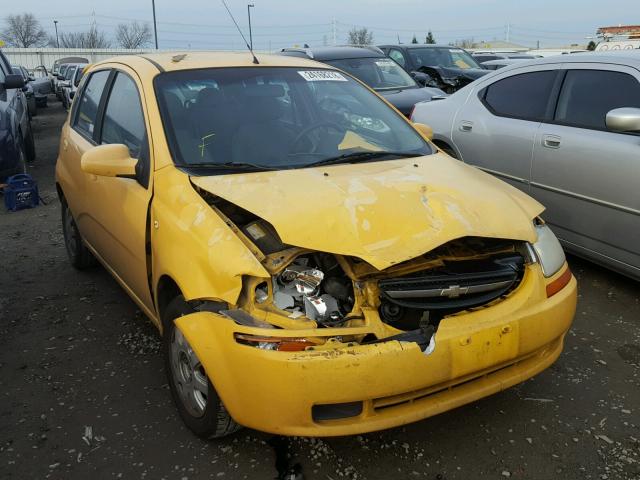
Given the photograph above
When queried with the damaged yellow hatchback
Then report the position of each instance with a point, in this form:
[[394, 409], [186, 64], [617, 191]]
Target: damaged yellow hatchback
[[315, 264]]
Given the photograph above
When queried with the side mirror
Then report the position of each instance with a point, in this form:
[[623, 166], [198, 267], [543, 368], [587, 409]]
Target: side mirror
[[32, 78], [624, 120], [111, 160], [13, 81], [60, 77], [425, 130]]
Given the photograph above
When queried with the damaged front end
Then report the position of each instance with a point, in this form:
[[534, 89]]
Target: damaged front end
[[339, 300], [450, 80]]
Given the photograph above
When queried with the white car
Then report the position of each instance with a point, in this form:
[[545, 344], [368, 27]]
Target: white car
[[70, 86], [70, 83]]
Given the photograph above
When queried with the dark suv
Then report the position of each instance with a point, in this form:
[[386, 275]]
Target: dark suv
[[445, 67], [373, 67], [16, 138]]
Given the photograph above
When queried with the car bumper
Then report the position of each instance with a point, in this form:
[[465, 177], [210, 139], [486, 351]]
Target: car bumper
[[477, 353]]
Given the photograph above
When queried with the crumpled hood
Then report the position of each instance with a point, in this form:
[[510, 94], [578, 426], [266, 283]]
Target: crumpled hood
[[382, 212]]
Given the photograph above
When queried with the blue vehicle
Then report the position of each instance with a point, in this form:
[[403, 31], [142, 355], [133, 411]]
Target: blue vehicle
[[16, 137]]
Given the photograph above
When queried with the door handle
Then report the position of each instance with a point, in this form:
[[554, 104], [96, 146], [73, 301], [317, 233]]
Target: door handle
[[551, 141], [466, 126]]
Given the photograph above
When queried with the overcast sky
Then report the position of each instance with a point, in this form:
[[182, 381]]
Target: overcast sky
[[201, 24]]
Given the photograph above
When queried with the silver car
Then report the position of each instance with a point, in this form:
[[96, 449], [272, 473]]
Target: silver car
[[566, 130]]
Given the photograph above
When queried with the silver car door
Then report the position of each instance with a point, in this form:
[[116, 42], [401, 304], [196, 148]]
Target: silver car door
[[496, 127], [587, 176]]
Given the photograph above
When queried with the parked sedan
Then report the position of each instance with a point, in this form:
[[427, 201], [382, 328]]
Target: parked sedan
[[313, 271], [373, 67], [445, 67], [16, 137], [567, 131], [27, 89]]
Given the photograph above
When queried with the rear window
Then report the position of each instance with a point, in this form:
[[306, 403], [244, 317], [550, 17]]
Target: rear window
[[524, 96]]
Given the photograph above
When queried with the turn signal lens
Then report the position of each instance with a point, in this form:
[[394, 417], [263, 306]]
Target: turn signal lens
[[281, 344], [559, 283]]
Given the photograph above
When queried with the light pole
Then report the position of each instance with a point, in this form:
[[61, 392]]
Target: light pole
[[55, 23], [155, 28], [249, 7]]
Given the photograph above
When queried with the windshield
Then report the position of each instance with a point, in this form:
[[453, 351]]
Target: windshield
[[277, 118], [378, 73], [442, 57], [63, 69], [69, 73]]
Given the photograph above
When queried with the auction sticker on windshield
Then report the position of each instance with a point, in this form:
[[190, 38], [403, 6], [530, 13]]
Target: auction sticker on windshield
[[322, 75]]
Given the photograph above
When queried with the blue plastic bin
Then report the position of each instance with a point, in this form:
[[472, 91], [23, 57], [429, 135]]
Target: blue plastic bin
[[21, 192]]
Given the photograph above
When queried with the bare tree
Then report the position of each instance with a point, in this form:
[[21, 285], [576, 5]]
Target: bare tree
[[23, 31], [465, 43], [360, 36], [133, 35], [92, 38]]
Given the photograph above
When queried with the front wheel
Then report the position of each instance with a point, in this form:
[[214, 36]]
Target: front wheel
[[195, 397]]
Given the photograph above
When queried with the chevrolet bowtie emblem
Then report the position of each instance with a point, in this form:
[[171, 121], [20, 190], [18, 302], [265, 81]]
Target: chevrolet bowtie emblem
[[453, 291]]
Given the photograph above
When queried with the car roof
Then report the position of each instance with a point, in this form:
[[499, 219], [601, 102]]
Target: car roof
[[176, 61], [623, 57], [411, 46], [336, 53]]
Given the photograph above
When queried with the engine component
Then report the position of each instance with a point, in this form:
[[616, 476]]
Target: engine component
[[314, 286]]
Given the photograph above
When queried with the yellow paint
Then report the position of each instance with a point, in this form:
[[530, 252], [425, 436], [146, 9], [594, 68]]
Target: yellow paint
[[384, 213]]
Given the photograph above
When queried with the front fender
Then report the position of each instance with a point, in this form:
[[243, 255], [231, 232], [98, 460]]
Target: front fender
[[194, 246]]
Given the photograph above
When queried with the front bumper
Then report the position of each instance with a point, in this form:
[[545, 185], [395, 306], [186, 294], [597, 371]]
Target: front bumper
[[477, 353]]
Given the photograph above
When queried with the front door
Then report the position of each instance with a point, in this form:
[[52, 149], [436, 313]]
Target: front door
[[113, 216]]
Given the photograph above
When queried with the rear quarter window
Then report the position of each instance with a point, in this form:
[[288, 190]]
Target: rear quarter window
[[524, 96]]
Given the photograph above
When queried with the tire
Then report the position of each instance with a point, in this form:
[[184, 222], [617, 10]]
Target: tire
[[203, 412], [79, 255], [30, 145], [448, 150], [22, 157]]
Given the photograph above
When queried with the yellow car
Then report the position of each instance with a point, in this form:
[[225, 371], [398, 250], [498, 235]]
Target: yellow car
[[315, 265]]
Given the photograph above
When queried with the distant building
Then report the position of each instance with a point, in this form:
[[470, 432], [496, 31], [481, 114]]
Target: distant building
[[631, 32]]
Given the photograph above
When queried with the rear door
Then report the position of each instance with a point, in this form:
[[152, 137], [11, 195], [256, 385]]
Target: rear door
[[496, 127], [587, 176]]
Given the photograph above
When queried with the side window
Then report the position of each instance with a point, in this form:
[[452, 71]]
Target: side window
[[587, 96], [396, 55], [123, 119], [524, 96], [85, 120]]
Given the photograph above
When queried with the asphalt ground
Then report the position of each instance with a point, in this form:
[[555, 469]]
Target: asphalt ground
[[83, 393]]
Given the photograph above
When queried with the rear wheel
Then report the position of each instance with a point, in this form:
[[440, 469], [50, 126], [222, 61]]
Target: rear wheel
[[195, 397], [79, 255], [30, 145], [21, 167]]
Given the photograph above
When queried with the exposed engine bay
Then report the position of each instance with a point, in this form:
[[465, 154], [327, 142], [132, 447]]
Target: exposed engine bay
[[330, 290]]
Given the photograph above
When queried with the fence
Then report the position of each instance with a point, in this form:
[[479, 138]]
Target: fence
[[34, 57]]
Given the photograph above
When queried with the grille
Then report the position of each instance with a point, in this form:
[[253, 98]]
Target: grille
[[455, 286]]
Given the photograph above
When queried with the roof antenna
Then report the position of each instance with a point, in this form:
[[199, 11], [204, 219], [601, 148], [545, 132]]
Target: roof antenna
[[255, 60]]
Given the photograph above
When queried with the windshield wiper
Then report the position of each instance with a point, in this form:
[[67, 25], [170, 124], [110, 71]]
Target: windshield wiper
[[354, 157], [239, 166]]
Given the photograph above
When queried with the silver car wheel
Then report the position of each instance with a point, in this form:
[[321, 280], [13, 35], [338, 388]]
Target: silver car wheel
[[189, 375]]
